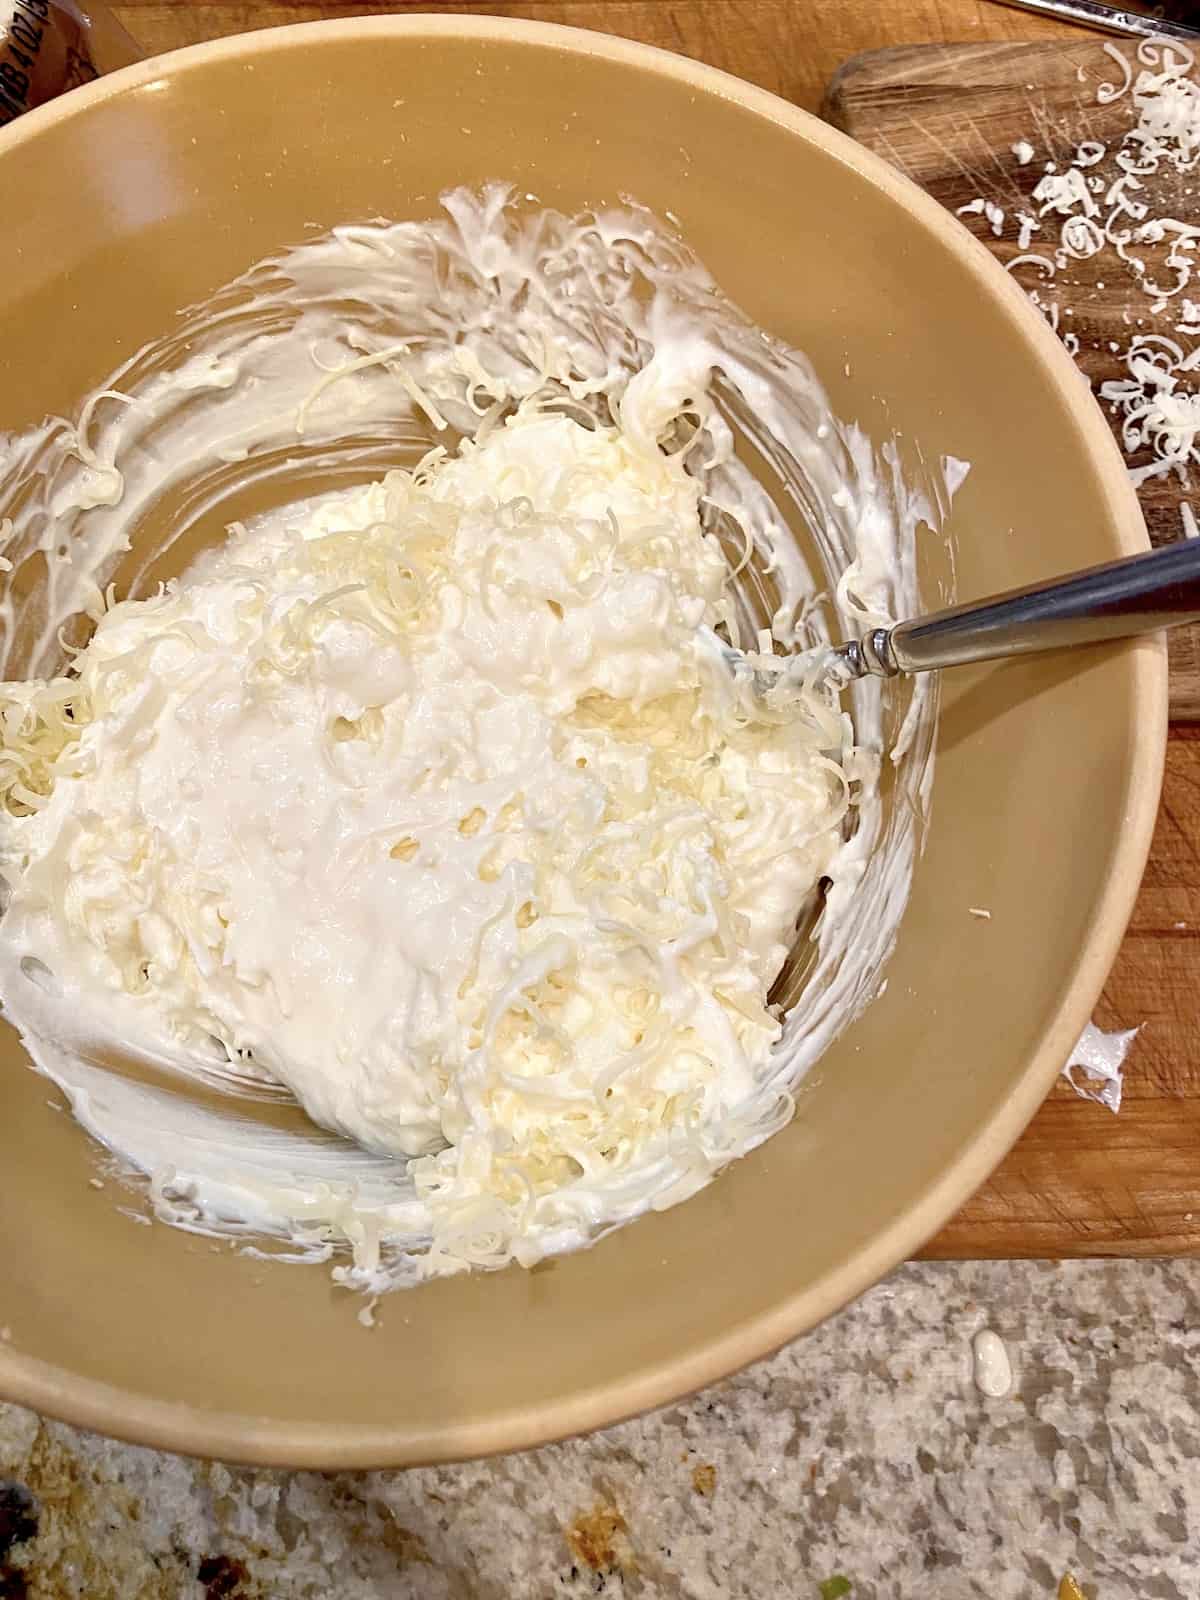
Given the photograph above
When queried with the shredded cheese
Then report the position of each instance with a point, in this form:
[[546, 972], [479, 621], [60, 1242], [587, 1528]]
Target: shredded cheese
[[432, 802], [430, 805], [1094, 211]]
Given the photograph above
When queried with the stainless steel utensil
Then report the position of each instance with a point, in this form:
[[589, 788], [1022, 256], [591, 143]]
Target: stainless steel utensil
[[1109, 19], [1140, 594]]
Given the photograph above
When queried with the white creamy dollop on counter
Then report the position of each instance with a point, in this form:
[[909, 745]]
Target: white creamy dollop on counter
[[428, 801]]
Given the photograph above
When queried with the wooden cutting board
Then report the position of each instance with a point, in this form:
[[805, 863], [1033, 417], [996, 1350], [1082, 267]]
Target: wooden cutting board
[[1081, 1181], [949, 116]]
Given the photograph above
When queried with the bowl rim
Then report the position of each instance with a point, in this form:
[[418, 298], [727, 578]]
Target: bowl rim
[[234, 1436]]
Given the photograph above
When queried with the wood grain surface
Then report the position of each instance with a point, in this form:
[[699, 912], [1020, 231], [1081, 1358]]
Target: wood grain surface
[[948, 117], [1080, 1181], [792, 47]]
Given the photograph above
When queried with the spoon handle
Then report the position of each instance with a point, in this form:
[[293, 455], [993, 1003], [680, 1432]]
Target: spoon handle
[[1137, 595]]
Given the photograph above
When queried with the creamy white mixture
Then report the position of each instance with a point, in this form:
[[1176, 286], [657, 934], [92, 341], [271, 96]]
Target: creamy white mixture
[[430, 800]]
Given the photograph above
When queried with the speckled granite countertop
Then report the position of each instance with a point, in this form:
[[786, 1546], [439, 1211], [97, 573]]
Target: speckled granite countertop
[[864, 1450]]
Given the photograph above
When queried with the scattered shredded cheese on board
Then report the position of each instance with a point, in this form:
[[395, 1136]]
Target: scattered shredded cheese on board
[[1112, 202]]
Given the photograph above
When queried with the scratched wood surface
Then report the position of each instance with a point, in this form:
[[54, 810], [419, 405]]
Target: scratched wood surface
[[1080, 1181], [949, 117]]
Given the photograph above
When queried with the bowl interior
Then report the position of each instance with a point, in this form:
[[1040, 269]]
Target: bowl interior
[[156, 187]]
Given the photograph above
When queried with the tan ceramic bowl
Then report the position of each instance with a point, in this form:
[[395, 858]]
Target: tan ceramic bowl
[[144, 192]]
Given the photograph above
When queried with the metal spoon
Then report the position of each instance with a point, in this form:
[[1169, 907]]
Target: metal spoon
[[1140, 594], [1109, 19]]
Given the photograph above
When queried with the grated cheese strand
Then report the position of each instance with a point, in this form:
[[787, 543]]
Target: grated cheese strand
[[453, 744]]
